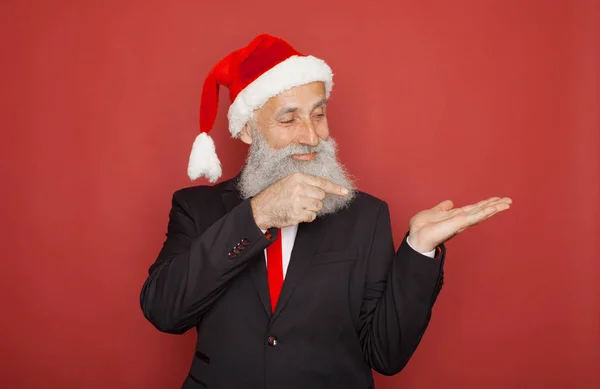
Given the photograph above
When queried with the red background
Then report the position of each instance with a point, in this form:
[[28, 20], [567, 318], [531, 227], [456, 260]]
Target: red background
[[433, 99]]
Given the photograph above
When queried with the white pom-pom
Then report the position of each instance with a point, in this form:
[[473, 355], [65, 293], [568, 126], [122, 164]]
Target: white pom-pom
[[203, 159]]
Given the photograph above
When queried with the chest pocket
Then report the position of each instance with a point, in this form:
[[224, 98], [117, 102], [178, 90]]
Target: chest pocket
[[345, 255]]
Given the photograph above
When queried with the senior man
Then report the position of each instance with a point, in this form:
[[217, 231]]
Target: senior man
[[288, 272]]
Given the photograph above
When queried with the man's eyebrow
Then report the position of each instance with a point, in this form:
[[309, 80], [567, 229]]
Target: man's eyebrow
[[287, 110], [320, 103]]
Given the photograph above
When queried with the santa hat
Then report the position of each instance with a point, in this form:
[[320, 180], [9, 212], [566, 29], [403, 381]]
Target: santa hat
[[253, 74]]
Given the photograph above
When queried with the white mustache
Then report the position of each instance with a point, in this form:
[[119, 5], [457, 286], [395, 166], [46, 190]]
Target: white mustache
[[297, 148]]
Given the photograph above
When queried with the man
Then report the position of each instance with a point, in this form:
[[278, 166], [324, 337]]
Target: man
[[287, 271]]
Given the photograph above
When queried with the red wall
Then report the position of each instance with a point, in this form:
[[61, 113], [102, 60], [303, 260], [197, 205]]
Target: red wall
[[433, 100]]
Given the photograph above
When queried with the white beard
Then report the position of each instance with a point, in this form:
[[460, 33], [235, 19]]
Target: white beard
[[265, 166]]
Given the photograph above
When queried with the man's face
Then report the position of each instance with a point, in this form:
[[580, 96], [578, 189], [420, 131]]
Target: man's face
[[289, 134], [298, 115]]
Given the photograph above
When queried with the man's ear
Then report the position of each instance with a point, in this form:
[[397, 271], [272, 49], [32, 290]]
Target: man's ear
[[245, 135]]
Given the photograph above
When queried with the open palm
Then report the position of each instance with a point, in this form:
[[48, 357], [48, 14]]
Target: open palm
[[432, 227]]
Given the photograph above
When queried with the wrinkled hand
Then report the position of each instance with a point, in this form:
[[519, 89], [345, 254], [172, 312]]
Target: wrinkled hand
[[432, 227], [292, 200]]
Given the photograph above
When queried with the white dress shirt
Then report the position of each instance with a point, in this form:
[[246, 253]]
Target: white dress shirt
[[288, 236]]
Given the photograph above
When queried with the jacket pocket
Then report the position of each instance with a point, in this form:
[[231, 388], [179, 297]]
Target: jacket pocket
[[335, 256], [199, 373], [203, 357], [192, 383]]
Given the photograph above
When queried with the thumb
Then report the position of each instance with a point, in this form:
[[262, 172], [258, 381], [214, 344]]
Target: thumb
[[445, 205]]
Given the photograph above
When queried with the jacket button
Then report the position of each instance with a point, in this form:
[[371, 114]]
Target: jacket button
[[236, 250], [272, 341], [232, 255], [245, 242], [240, 246]]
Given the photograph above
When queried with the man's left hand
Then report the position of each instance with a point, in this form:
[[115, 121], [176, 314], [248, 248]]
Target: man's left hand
[[432, 227]]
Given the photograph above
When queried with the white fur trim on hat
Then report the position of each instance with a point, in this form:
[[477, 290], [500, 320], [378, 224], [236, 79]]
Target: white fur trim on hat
[[203, 159], [294, 71]]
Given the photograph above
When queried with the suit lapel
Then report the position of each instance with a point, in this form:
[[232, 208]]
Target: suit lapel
[[308, 237], [230, 195], [257, 268], [258, 271]]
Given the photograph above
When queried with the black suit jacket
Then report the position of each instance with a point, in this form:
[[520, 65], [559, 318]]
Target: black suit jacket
[[349, 302]]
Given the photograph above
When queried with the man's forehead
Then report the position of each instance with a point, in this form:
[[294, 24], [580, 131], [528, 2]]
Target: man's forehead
[[303, 96]]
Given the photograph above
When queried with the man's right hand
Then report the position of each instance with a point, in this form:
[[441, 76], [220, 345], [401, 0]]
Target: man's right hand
[[292, 200]]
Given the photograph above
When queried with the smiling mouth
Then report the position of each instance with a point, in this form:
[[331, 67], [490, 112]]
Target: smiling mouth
[[305, 157]]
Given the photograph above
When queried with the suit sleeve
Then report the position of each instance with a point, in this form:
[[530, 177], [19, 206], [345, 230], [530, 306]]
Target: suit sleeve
[[192, 271], [400, 291]]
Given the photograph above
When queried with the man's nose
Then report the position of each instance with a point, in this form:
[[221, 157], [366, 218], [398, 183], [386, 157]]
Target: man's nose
[[308, 134]]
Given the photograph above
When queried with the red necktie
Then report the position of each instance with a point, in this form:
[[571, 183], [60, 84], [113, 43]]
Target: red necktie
[[275, 269]]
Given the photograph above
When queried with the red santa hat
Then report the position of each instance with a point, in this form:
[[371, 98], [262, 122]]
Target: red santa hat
[[253, 74]]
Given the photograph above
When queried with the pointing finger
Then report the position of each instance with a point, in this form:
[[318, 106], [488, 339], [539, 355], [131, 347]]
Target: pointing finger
[[327, 186]]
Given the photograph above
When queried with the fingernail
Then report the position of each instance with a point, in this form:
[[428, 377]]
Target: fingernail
[[344, 191]]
